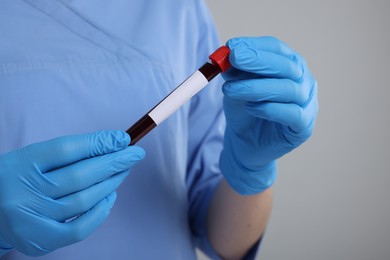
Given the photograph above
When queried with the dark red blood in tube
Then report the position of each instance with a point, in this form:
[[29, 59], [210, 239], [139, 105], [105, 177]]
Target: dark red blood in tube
[[219, 63]]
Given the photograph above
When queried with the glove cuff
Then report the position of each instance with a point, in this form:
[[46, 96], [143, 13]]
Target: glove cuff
[[4, 248], [246, 181]]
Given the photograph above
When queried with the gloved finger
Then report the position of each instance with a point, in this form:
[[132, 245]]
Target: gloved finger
[[265, 64], [264, 43], [66, 150], [83, 174], [235, 74], [297, 118], [81, 227], [275, 90], [82, 201]]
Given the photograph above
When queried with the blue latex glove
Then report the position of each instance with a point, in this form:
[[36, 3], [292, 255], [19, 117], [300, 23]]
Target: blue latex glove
[[56, 193], [270, 105]]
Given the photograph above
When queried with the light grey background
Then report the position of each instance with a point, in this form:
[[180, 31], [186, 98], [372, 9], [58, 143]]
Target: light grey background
[[332, 196]]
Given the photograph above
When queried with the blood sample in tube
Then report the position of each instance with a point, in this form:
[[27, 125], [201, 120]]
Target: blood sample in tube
[[219, 62]]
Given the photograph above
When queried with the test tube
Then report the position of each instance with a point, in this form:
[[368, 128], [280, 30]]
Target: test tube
[[219, 62]]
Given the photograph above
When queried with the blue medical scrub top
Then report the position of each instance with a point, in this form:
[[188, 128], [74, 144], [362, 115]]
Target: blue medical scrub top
[[71, 67]]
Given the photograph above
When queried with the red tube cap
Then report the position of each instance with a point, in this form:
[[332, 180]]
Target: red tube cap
[[221, 58]]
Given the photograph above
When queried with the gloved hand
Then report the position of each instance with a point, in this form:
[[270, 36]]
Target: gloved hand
[[56, 193], [270, 105]]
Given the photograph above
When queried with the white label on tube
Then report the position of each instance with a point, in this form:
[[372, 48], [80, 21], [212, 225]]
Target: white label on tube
[[178, 97]]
